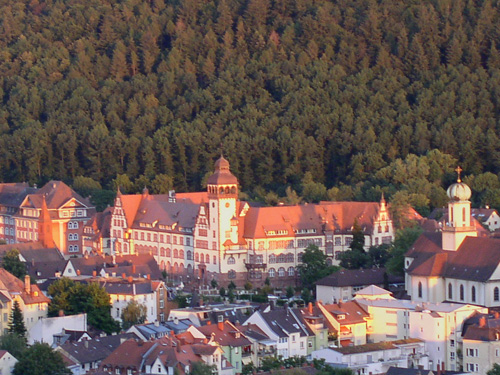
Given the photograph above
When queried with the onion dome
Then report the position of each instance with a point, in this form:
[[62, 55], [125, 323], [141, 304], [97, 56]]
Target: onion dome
[[459, 191], [222, 174]]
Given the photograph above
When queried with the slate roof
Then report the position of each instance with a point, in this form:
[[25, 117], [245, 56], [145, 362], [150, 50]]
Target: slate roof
[[253, 331], [132, 265], [94, 350], [283, 322], [358, 278], [13, 194], [124, 287]]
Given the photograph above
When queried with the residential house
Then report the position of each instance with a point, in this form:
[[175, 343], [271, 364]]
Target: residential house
[[440, 326], [344, 284], [32, 302], [261, 345], [7, 362], [376, 358], [201, 315], [488, 217], [88, 354], [313, 319], [289, 335], [481, 343], [122, 291], [163, 356], [149, 331], [235, 345], [48, 329], [346, 321]]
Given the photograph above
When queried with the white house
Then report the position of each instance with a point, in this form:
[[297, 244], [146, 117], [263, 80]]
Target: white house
[[376, 358], [45, 328], [7, 362]]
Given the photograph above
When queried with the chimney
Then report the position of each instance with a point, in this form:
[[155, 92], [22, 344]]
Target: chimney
[[438, 369], [78, 272], [130, 279], [482, 322], [176, 320], [497, 314], [205, 341], [94, 273], [157, 323], [133, 268], [124, 276], [220, 325], [86, 343], [149, 276], [310, 308], [27, 284], [209, 323]]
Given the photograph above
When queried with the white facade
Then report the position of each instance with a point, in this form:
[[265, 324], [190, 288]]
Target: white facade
[[376, 358], [7, 363], [440, 326], [45, 328]]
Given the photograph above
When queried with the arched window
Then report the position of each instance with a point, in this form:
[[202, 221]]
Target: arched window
[[299, 257], [215, 259], [168, 252], [272, 258], [463, 215], [462, 292], [207, 259], [328, 261], [419, 289], [196, 257], [450, 291], [281, 258], [176, 268], [290, 258], [233, 190], [176, 253], [181, 254], [496, 294], [281, 272], [291, 271], [162, 252], [231, 260], [231, 274], [189, 255], [202, 258], [272, 272], [190, 269], [473, 294]]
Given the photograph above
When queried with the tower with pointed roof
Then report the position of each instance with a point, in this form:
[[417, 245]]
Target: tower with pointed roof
[[459, 223], [222, 188]]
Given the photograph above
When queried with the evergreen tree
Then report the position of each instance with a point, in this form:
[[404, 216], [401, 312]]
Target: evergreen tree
[[13, 264], [16, 321]]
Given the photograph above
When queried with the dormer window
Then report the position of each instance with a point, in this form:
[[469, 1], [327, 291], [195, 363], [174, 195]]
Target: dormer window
[[341, 317]]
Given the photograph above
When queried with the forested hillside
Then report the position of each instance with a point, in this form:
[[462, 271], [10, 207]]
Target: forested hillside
[[354, 92]]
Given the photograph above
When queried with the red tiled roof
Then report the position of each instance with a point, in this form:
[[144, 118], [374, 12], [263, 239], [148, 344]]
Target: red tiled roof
[[353, 312], [15, 286], [226, 336]]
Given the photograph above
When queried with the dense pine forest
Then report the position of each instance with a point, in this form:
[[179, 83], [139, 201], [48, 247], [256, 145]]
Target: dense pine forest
[[307, 99]]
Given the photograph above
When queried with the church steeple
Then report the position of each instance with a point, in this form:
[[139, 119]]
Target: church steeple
[[458, 226], [45, 226], [222, 183]]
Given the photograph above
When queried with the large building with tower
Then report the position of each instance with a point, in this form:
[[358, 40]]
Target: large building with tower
[[213, 234]]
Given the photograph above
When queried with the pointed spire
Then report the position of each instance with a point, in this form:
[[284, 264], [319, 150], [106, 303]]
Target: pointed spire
[[118, 192], [382, 199], [45, 226]]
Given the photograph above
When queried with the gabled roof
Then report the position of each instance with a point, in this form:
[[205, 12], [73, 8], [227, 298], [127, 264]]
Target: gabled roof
[[13, 285], [476, 259], [139, 265], [56, 194], [283, 322], [336, 216], [347, 313], [372, 347], [225, 337], [156, 211], [373, 290]]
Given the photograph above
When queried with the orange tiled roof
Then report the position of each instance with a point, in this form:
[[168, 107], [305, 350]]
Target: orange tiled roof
[[13, 285]]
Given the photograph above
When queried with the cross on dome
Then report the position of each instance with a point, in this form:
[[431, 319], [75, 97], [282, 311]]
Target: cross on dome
[[458, 170]]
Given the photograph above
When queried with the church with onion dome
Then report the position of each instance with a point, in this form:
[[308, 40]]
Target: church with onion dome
[[455, 264]]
